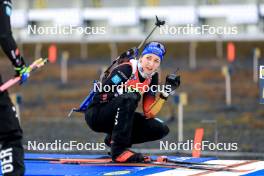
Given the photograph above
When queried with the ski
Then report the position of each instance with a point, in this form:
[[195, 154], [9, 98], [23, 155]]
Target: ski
[[107, 159], [35, 65], [169, 164], [153, 164]]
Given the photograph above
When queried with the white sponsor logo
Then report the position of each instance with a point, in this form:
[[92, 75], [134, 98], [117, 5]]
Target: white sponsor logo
[[116, 117], [6, 158], [14, 109], [123, 172]]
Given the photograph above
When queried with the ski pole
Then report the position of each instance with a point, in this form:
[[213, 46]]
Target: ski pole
[[157, 24]]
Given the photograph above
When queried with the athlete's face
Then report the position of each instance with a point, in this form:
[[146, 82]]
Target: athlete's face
[[150, 63]]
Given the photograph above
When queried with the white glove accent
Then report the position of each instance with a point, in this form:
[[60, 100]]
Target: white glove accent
[[165, 94], [120, 91]]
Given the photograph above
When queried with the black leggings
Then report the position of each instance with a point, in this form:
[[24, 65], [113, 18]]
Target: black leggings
[[119, 119], [11, 148]]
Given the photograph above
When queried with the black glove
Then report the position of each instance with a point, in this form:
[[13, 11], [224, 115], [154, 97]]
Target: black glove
[[172, 83], [131, 53], [21, 69]]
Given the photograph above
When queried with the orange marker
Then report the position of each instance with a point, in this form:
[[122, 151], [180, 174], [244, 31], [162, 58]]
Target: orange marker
[[198, 138], [231, 52], [52, 53]]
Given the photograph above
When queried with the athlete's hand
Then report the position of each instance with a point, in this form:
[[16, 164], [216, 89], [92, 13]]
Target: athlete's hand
[[173, 81], [23, 72], [131, 53]]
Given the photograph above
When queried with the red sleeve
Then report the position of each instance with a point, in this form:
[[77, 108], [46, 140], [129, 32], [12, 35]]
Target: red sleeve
[[148, 101], [149, 98]]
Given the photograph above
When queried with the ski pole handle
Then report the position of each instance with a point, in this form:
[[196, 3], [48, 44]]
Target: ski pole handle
[[157, 24]]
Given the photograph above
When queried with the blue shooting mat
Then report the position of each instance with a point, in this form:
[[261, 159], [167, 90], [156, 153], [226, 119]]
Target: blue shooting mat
[[44, 167]]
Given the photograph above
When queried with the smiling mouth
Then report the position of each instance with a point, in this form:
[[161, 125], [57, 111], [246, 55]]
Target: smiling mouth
[[149, 69]]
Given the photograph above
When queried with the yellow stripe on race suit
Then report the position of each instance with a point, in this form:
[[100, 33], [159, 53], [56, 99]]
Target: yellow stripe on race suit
[[155, 108]]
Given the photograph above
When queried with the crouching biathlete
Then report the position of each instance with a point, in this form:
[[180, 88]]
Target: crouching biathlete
[[114, 112]]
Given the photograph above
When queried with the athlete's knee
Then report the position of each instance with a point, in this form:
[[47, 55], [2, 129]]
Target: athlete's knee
[[163, 130]]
